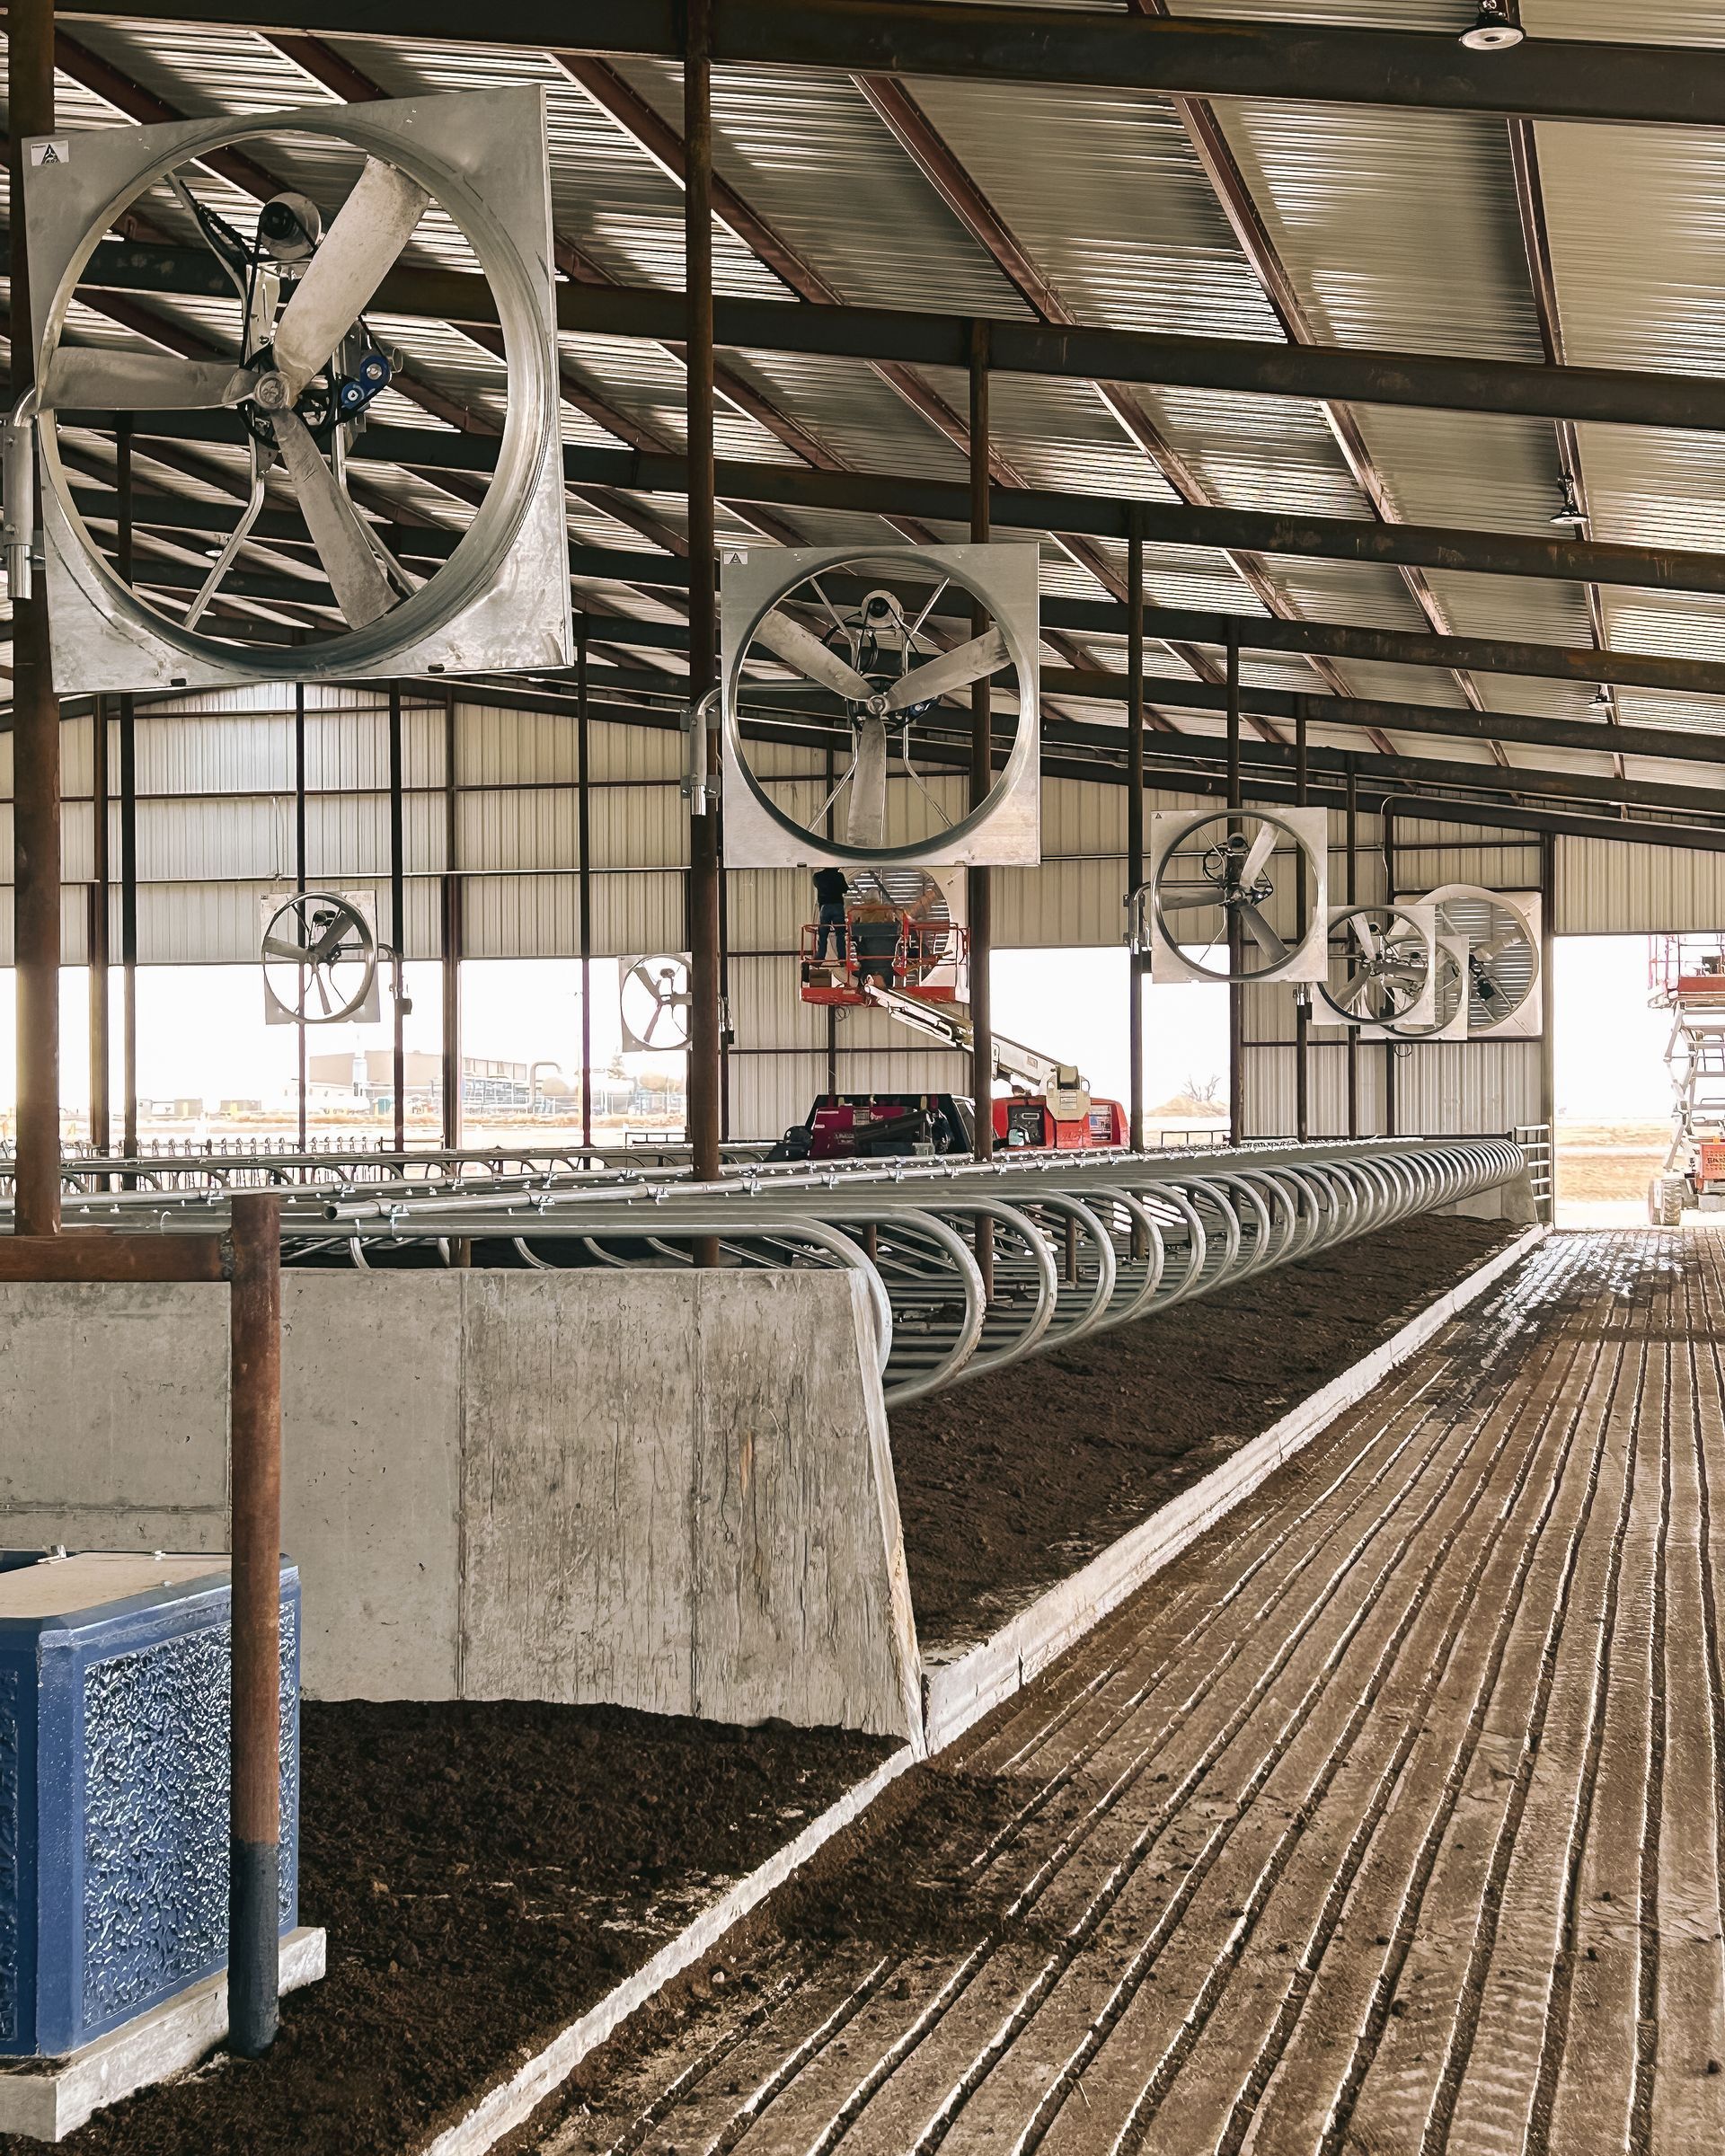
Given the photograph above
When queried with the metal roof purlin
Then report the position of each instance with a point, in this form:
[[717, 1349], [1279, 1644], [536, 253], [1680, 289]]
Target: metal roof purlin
[[1551, 79]]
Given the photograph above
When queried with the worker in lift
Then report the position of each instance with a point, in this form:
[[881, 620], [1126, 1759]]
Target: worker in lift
[[875, 929], [831, 891]]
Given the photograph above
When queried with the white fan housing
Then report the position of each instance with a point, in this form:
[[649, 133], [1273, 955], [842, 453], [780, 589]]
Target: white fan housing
[[320, 954], [500, 602], [655, 1005], [885, 701], [1382, 969], [1503, 932], [1209, 866]]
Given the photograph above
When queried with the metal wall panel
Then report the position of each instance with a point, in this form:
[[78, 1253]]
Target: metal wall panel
[[768, 1013], [767, 1094], [1608, 889]]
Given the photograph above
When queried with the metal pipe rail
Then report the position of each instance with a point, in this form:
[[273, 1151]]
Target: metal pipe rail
[[1081, 1242]]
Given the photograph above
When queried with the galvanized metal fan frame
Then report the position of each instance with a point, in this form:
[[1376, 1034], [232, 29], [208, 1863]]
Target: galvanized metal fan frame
[[680, 999], [1420, 922], [500, 602], [1005, 829], [359, 1006], [1307, 830], [1524, 1020]]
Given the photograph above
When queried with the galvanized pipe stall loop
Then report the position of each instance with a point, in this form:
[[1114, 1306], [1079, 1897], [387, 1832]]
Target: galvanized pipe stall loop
[[1256, 1248], [1271, 1222], [1183, 1231], [1079, 1308], [1139, 1254]]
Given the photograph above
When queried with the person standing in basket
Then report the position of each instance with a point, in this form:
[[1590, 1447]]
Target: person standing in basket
[[831, 891]]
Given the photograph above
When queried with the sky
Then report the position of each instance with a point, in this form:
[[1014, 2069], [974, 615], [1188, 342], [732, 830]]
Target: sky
[[202, 1030]]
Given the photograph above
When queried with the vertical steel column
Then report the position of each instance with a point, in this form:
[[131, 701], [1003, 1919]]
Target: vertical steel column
[[451, 934], [705, 1075], [127, 815], [830, 1010], [978, 891], [584, 833], [1388, 811], [101, 1054], [397, 922], [299, 886], [1135, 824], [1237, 993], [255, 1446], [1548, 1007], [35, 708], [1303, 992], [1353, 894]]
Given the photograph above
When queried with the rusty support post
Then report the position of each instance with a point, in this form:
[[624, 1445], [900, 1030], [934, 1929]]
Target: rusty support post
[[1135, 830], [36, 710], [584, 832], [1353, 895], [1548, 1007], [255, 1439], [301, 1058], [1237, 993], [127, 820], [100, 901], [1388, 811], [397, 923], [450, 1033], [979, 893], [1303, 992], [704, 1050]]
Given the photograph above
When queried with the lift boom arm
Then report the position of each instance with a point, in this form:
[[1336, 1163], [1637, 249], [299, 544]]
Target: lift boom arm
[[951, 1023]]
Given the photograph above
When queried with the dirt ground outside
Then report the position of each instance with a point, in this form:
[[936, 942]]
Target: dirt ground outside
[[1609, 1160]]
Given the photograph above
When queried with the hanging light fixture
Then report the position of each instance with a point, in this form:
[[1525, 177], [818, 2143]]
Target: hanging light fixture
[[1572, 511], [1492, 30], [1600, 700]]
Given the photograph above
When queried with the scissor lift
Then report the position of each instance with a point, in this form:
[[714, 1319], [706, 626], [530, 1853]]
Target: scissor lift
[[1686, 976]]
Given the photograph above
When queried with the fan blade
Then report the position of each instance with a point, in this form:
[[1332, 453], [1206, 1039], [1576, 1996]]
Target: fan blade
[[1262, 934], [983, 655], [1257, 854], [375, 224], [295, 953], [1360, 929], [360, 590], [801, 648], [1191, 904], [99, 381], [866, 825]]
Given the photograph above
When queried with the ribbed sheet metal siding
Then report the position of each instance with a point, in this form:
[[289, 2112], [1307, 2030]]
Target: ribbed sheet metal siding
[[1608, 889]]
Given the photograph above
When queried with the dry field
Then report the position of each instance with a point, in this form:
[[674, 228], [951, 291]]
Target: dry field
[[1600, 1160]]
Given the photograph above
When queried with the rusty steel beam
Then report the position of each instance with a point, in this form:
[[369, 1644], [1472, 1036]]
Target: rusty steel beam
[[872, 493], [90, 1254], [920, 337], [1550, 78]]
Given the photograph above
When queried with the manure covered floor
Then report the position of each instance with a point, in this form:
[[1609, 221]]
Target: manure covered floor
[[1385, 1820]]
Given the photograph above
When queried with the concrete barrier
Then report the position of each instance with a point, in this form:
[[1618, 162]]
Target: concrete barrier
[[664, 1490]]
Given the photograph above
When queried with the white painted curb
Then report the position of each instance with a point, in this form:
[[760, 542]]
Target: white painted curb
[[959, 1692], [508, 2105]]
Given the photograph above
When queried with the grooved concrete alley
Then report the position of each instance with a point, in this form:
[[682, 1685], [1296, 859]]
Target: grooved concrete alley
[[1385, 1821]]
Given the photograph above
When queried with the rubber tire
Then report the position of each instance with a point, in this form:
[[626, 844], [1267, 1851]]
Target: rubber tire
[[1673, 1189]]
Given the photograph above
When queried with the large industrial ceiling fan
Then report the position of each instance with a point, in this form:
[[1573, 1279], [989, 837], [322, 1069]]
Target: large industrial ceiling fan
[[864, 640], [298, 356], [1224, 896]]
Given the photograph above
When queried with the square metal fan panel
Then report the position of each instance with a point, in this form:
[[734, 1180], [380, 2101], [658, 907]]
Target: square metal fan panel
[[1423, 1009], [760, 834], [482, 155], [1308, 960]]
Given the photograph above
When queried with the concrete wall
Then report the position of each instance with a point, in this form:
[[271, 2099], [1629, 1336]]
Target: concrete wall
[[665, 1490]]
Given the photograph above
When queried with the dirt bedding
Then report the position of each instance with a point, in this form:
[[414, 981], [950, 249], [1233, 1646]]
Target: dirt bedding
[[485, 1872], [1009, 1484]]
